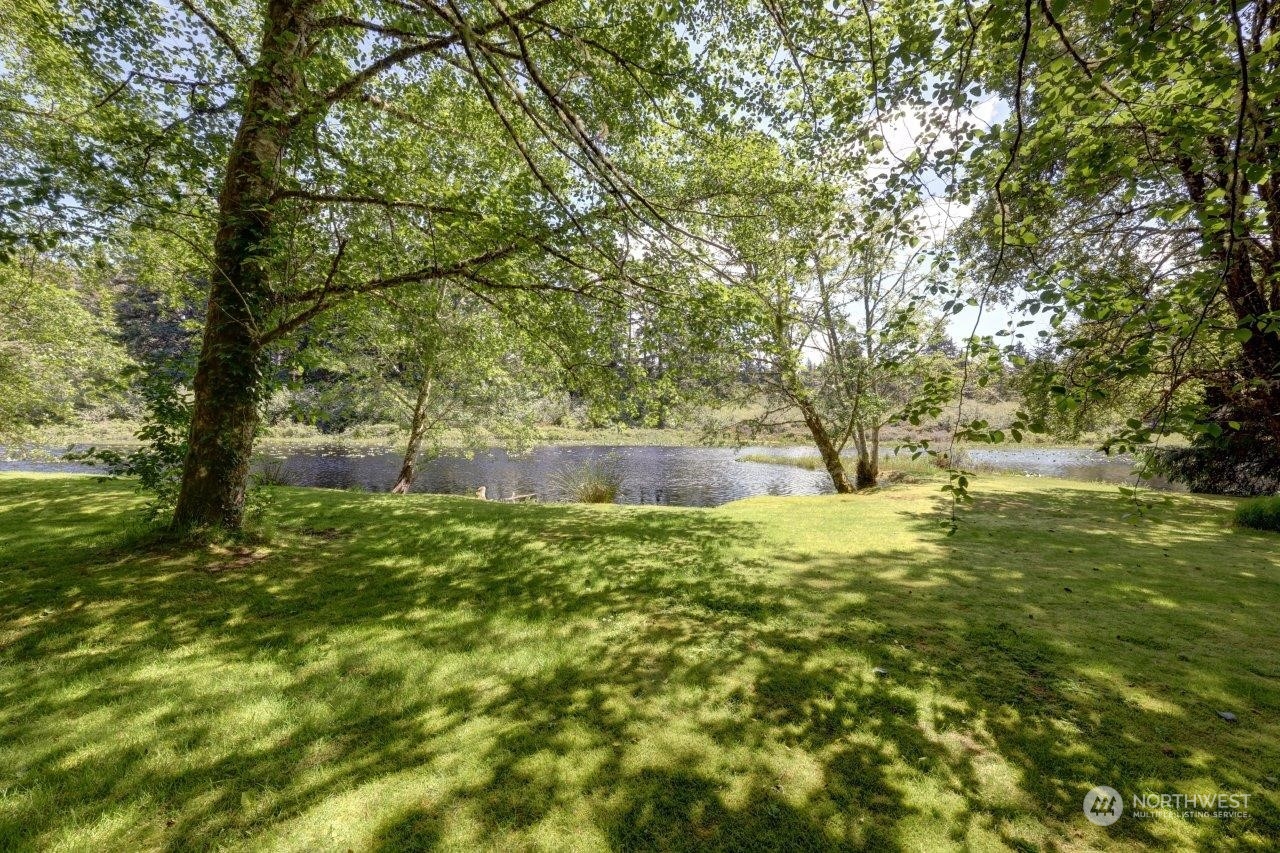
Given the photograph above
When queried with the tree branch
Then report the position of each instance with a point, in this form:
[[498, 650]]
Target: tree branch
[[221, 34]]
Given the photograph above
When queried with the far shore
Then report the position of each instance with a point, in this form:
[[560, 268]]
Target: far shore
[[123, 434]]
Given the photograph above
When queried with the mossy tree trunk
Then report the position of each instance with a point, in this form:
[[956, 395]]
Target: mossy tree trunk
[[228, 380]]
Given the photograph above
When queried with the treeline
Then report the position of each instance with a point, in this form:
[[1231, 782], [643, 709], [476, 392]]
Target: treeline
[[84, 335]]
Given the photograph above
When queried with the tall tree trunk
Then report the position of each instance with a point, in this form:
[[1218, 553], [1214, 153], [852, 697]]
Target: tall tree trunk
[[826, 447], [417, 428], [228, 378], [865, 472], [875, 453], [1252, 291], [1255, 396]]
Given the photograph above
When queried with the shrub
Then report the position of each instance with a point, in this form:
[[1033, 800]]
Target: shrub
[[1232, 466], [270, 473], [157, 464], [1259, 514], [946, 460], [596, 481]]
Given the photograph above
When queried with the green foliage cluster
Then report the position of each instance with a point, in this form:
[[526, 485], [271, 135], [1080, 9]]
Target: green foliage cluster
[[58, 349], [157, 463], [1126, 203]]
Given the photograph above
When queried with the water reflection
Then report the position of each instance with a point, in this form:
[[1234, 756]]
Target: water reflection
[[682, 476]]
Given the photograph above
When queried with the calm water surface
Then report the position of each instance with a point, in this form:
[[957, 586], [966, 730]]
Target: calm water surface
[[681, 476]]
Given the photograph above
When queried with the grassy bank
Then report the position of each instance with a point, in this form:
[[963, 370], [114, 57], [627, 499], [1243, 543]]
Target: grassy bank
[[901, 462], [408, 672]]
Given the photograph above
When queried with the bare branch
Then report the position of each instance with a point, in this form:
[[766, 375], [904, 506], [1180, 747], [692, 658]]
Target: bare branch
[[221, 34], [376, 201]]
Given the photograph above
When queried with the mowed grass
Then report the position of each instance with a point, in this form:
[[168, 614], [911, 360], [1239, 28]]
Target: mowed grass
[[421, 672]]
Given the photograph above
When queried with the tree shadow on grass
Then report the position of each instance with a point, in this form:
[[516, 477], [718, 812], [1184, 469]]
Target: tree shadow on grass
[[471, 674], [1099, 654]]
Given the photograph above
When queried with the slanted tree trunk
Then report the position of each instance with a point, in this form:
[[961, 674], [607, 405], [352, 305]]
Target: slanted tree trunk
[[794, 390], [826, 447], [228, 378], [417, 429]]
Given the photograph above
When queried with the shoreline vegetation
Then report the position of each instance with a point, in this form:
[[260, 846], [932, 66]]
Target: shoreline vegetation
[[363, 671], [121, 433], [699, 427], [890, 463]]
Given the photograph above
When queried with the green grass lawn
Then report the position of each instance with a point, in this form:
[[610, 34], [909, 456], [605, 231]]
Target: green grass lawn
[[401, 673]]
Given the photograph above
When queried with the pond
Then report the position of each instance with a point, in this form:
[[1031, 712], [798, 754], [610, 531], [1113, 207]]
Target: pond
[[680, 476]]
